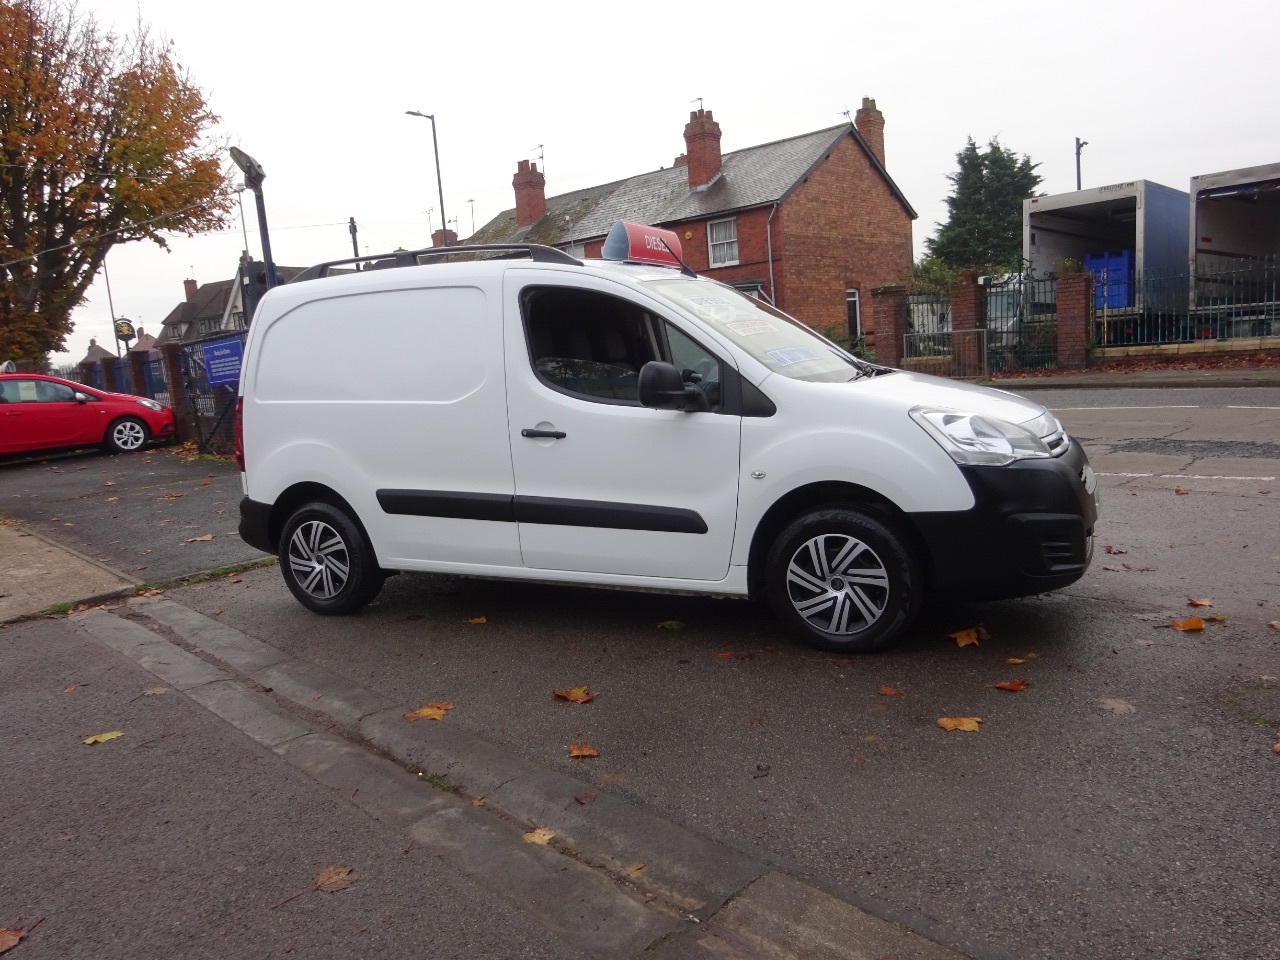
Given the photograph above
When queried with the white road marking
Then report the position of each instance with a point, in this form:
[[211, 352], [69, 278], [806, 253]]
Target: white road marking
[[1231, 406], [1182, 406], [1181, 476]]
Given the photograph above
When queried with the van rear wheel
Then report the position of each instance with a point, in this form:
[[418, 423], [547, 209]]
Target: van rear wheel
[[843, 580], [327, 562]]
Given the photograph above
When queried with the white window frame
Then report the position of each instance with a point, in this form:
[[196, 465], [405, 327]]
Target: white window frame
[[578, 250], [722, 244], [852, 296]]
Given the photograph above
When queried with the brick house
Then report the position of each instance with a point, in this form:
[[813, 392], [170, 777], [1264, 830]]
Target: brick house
[[812, 223], [212, 308]]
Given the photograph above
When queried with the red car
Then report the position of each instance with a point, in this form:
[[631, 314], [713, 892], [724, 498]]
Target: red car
[[45, 413]]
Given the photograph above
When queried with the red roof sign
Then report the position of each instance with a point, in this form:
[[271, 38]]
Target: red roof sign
[[638, 243]]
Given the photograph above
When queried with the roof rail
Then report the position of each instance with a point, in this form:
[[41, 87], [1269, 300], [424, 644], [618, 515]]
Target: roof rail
[[409, 258]]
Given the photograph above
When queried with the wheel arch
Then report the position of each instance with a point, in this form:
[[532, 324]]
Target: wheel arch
[[828, 494], [295, 496]]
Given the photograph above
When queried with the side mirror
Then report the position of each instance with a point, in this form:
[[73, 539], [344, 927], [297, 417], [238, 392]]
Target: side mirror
[[661, 386], [81, 398]]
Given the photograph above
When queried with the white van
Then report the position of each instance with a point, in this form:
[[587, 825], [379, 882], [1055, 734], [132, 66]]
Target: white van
[[515, 412]]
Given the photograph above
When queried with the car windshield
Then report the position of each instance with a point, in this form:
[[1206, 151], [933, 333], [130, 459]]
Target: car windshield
[[784, 345]]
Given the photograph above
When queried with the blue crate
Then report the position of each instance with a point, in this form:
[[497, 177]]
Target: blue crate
[[1112, 279]]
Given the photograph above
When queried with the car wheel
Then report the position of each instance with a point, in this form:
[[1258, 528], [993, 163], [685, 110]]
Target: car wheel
[[843, 580], [327, 561], [126, 435]]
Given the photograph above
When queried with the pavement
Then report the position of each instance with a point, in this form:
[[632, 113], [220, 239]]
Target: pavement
[[1154, 379], [241, 773]]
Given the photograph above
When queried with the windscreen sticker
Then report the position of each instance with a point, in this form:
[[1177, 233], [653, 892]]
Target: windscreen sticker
[[785, 356], [750, 328]]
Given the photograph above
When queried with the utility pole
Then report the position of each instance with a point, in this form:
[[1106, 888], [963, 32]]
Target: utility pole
[[355, 248], [1080, 145]]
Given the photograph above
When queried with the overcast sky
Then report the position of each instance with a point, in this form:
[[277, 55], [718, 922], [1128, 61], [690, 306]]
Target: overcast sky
[[317, 93]]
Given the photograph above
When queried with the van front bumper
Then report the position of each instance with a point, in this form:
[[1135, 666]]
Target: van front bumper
[[1030, 530]]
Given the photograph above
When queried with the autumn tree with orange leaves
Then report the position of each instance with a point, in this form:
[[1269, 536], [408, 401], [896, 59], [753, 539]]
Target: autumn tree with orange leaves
[[104, 139]]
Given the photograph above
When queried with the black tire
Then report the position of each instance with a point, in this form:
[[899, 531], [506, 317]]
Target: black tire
[[326, 560], [125, 435], [811, 590]]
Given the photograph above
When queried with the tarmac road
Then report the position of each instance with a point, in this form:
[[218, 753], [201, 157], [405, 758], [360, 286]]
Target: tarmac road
[[1122, 806]]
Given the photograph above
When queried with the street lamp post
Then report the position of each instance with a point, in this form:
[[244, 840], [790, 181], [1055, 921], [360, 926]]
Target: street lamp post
[[253, 177], [439, 184], [1080, 145]]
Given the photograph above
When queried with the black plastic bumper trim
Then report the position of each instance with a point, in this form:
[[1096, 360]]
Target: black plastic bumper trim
[[1028, 531], [255, 524]]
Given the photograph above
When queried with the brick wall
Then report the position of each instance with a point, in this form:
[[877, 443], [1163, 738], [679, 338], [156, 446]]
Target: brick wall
[[843, 228], [1074, 296]]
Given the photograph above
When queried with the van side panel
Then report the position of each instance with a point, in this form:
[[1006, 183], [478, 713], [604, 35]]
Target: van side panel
[[398, 389]]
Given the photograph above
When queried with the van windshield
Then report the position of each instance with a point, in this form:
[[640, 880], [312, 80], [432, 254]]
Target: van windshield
[[784, 345]]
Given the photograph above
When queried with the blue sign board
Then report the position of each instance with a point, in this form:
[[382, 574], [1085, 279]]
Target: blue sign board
[[222, 361]]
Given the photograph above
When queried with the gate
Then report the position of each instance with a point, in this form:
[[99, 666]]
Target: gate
[[1020, 314], [211, 378]]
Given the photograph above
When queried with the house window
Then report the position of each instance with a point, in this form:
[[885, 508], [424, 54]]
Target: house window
[[576, 250], [722, 238], [855, 314]]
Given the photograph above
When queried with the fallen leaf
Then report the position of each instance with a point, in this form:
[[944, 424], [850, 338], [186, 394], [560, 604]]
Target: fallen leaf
[[1180, 492], [112, 499], [171, 496], [1012, 686], [1136, 569], [435, 710], [1114, 551], [478, 802], [1274, 624], [1206, 602], [1191, 623], [968, 724], [11, 938], [104, 737], [670, 625], [109, 483], [206, 483], [540, 836], [1014, 660], [1215, 618], [200, 539], [70, 688], [576, 694], [725, 655], [1118, 706], [890, 692], [585, 797], [478, 620], [965, 638], [332, 879], [583, 751], [635, 869]]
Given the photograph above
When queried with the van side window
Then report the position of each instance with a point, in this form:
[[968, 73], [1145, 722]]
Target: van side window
[[695, 364], [586, 343]]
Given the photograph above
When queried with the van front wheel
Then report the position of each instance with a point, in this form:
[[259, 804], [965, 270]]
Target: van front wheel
[[843, 580], [326, 560]]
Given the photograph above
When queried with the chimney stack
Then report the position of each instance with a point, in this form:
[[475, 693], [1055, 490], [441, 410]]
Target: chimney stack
[[870, 124], [531, 194], [702, 148], [441, 238], [191, 287]]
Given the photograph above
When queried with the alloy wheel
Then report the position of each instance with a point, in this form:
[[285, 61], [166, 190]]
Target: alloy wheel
[[319, 559], [838, 584]]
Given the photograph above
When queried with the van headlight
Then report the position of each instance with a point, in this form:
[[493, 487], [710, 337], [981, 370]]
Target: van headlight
[[973, 440], [149, 404]]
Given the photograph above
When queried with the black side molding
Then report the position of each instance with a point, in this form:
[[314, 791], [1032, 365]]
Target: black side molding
[[546, 510]]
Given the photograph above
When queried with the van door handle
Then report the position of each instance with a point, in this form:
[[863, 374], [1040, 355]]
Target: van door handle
[[536, 434]]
